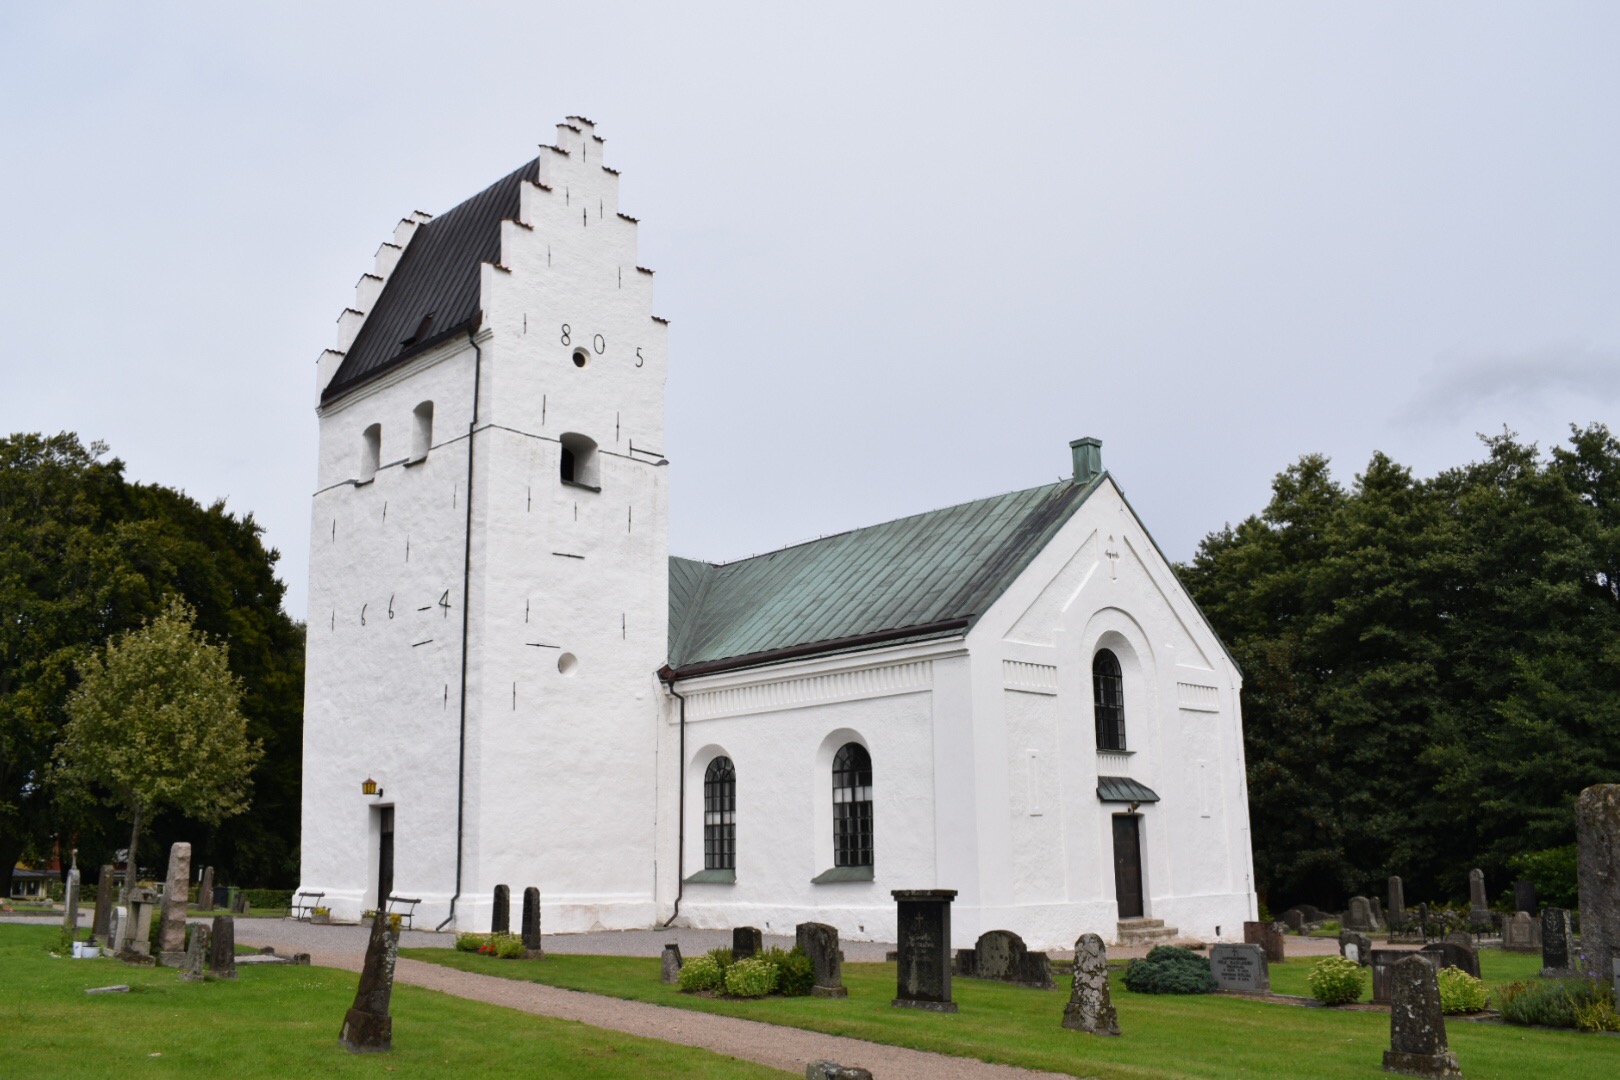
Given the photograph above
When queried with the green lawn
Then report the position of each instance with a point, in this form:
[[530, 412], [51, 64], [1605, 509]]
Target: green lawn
[[1495, 967], [283, 1021], [1200, 1036]]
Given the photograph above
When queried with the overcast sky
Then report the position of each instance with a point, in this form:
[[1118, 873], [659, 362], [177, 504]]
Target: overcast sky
[[908, 251]]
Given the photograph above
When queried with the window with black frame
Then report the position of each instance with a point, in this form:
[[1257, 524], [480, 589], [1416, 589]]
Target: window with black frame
[[720, 815], [1108, 700], [852, 806]]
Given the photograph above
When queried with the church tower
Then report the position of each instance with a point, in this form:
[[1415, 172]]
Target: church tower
[[489, 568]]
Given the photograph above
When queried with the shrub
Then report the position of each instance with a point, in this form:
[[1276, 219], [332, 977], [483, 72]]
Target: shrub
[[795, 974], [507, 946], [470, 942], [723, 957], [1460, 992], [1552, 1002], [1597, 1016], [1170, 969], [1331, 926], [1335, 980], [751, 978], [701, 973], [1553, 872]]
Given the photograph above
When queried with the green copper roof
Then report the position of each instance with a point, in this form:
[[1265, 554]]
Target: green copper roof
[[945, 566]]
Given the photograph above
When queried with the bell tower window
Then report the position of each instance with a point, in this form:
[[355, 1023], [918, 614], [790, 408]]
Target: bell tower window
[[370, 453], [579, 462]]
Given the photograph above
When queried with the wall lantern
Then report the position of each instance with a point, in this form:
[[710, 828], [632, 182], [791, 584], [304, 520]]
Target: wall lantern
[[369, 787]]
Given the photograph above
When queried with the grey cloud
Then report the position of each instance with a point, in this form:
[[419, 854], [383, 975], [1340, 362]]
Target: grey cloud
[[1458, 382]]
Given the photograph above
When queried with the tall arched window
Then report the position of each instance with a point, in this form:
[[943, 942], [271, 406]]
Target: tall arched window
[[720, 815], [1108, 700], [852, 806], [370, 452]]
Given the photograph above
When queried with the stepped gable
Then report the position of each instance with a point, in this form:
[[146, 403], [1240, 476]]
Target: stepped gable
[[928, 575], [438, 275]]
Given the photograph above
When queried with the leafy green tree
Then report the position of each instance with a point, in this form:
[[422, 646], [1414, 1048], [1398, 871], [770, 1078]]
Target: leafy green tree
[[156, 723]]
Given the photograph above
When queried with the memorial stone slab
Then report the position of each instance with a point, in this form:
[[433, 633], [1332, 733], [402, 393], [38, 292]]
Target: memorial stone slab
[[1383, 966], [368, 1028], [1479, 908], [1597, 838], [1359, 917], [1455, 954], [101, 926], [1002, 955], [923, 922], [1090, 1007], [222, 942], [746, 941], [205, 891], [500, 916], [1240, 967], [1356, 947], [531, 923], [1555, 935], [670, 963], [176, 891], [192, 968], [1417, 1027], [1397, 898], [1521, 933], [1524, 897], [1268, 936], [820, 943]]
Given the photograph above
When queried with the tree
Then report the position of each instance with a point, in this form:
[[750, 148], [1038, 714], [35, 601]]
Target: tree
[[156, 723]]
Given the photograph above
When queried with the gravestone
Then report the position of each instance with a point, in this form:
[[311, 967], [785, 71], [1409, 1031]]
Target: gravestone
[[1240, 967], [1377, 912], [115, 927], [1383, 966], [1294, 919], [1461, 937], [137, 929], [531, 923], [820, 943], [191, 969], [1002, 955], [1312, 914], [176, 892], [222, 953], [1397, 899], [746, 941], [1455, 954], [368, 1028], [101, 926], [70, 901], [1479, 909], [205, 891], [1359, 917], [831, 1070], [1091, 1008], [1423, 920], [1417, 1027], [1555, 934], [1357, 947], [670, 963], [1521, 933], [1524, 896], [1268, 937], [1597, 836], [500, 917], [923, 922]]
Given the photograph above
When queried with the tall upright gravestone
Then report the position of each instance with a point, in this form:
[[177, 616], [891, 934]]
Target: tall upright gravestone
[[367, 1028], [746, 941], [923, 924], [1397, 900], [1479, 909], [1597, 834], [172, 929], [1555, 935], [70, 901], [205, 891], [1090, 1008], [500, 918], [1417, 1027], [820, 943], [102, 926], [222, 947], [531, 923]]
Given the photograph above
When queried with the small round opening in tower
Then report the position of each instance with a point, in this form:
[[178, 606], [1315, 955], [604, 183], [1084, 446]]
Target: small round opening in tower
[[581, 357], [567, 663]]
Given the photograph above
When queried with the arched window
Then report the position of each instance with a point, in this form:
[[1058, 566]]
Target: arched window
[[1108, 700], [720, 815], [852, 806], [422, 436], [370, 452], [579, 462]]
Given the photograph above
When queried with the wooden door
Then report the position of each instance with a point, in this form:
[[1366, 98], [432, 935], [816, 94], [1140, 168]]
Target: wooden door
[[1128, 865], [385, 859]]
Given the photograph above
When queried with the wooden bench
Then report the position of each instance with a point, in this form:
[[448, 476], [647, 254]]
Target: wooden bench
[[305, 903], [407, 913]]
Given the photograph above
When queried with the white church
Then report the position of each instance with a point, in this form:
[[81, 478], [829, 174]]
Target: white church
[[511, 680]]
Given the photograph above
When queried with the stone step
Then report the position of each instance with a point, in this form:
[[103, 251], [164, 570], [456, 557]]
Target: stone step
[[1145, 932], [1140, 924]]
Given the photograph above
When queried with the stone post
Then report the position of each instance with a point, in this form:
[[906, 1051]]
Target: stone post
[[1417, 1028], [102, 926], [172, 930], [820, 943], [1090, 1008], [368, 1028], [1397, 901], [669, 963], [196, 955], [500, 918], [205, 891], [531, 923], [222, 957], [1597, 834], [924, 925]]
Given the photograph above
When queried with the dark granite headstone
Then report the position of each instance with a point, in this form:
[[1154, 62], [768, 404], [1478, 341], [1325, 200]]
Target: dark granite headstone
[[669, 963], [1479, 908], [746, 941], [1455, 954], [1091, 1007], [222, 958], [368, 1028], [831, 1070], [1597, 836], [531, 922], [192, 968], [1294, 919], [1357, 947], [205, 891], [1397, 899], [1383, 966], [1002, 955], [923, 922], [1240, 967], [1417, 1027], [1524, 896], [820, 943], [101, 925], [1555, 935], [500, 914], [1268, 937], [1359, 917]]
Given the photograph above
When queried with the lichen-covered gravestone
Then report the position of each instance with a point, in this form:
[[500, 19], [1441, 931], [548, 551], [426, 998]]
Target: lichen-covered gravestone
[[367, 1028], [1240, 967], [222, 942], [1090, 1007], [1417, 1027], [500, 916], [1356, 947], [1597, 834], [192, 969], [831, 1070], [531, 923], [923, 921], [1521, 933], [1002, 955], [101, 927], [670, 963], [176, 890], [746, 941], [1555, 934], [820, 943]]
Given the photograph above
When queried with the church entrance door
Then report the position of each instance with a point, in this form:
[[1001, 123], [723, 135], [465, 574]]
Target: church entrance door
[[385, 858], [1128, 865]]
